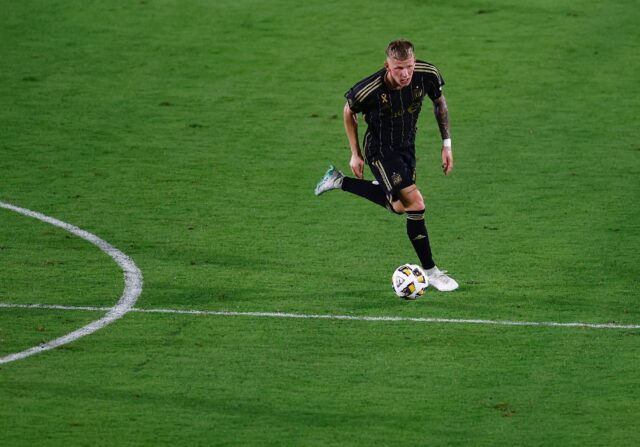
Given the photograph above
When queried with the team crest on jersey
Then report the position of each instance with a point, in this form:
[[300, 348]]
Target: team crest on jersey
[[417, 92], [396, 178]]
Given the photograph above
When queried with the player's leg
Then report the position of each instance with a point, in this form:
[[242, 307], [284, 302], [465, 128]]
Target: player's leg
[[413, 203], [412, 200], [370, 190], [366, 189]]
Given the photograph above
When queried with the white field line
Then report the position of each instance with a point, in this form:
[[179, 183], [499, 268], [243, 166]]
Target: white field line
[[132, 286], [225, 313]]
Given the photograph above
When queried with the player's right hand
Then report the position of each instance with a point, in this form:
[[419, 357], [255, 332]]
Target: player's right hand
[[357, 166]]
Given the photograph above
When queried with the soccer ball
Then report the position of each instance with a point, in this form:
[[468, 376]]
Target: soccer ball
[[409, 281]]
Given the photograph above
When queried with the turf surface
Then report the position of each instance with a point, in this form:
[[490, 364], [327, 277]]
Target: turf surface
[[190, 136]]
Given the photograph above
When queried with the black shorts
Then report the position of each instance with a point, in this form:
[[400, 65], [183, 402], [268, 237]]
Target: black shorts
[[395, 172]]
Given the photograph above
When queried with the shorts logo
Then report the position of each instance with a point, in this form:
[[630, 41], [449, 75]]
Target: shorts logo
[[396, 178]]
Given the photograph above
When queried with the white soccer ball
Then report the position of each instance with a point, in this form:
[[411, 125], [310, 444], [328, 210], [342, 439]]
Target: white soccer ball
[[409, 281]]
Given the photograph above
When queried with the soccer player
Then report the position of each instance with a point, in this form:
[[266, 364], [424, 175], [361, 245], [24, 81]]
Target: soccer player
[[390, 101]]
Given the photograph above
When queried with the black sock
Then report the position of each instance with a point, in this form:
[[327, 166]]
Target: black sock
[[366, 189], [417, 232]]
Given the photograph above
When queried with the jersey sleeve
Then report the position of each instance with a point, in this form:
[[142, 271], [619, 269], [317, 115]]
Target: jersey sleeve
[[360, 95], [355, 105], [435, 82]]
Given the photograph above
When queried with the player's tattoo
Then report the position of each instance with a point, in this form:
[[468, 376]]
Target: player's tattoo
[[442, 116]]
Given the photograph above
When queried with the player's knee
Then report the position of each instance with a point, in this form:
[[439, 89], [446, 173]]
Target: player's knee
[[397, 207], [412, 200], [416, 204]]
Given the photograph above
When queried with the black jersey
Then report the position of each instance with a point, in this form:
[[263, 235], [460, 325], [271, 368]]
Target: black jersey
[[391, 115]]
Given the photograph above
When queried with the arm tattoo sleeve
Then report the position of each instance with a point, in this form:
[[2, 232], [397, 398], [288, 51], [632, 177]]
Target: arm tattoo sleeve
[[442, 116]]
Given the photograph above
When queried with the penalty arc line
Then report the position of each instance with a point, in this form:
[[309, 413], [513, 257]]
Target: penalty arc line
[[224, 313], [132, 286]]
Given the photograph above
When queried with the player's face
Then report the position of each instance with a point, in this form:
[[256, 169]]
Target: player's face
[[400, 72]]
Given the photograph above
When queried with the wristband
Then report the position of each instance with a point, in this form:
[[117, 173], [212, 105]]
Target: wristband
[[446, 142]]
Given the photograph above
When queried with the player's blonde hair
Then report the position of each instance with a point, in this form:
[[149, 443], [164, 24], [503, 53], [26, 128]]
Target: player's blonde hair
[[400, 49]]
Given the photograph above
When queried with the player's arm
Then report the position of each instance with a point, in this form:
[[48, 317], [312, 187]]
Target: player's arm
[[442, 118], [351, 128]]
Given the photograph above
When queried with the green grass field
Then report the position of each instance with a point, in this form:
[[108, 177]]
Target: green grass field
[[190, 135]]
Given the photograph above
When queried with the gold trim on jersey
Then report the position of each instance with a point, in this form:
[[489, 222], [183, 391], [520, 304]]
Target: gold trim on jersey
[[362, 94], [425, 64], [427, 68]]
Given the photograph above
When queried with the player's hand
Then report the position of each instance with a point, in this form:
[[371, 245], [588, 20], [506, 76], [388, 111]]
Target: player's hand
[[357, 166], [447, 160]]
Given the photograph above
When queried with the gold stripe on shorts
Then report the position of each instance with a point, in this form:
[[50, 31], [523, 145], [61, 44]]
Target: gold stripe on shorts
[[383, 174]]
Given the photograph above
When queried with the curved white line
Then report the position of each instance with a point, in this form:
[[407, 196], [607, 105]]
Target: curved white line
[[132, 286]]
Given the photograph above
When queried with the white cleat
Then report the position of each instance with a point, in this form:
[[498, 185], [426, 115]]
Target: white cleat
[[332, 180], [439, 280]]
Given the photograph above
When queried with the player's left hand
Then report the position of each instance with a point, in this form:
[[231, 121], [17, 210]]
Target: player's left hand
[[447, 160]]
